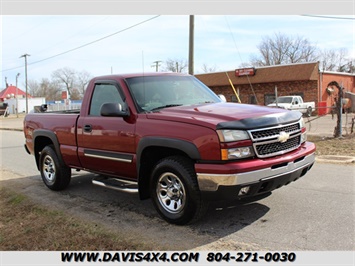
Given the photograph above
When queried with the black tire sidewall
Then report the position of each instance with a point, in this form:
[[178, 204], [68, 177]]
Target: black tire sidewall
[[309, 111], [62, 173], [182, 169]]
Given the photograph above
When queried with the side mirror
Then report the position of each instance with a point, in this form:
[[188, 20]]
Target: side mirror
[[222, 97], [43, 108], [113, 109]]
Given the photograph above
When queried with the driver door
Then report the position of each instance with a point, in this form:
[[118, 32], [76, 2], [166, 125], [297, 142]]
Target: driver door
[[106, 144]]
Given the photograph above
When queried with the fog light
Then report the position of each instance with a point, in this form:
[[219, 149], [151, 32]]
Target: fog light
[[243, 191]]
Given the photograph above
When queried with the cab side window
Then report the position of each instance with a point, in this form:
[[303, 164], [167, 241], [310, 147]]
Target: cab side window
[[104, 93]]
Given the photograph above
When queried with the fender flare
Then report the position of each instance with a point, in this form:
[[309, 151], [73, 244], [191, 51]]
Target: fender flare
[[182, 145], [50, 135]]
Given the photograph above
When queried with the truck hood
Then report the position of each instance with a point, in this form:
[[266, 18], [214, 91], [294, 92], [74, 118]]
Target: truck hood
[[227, 115]]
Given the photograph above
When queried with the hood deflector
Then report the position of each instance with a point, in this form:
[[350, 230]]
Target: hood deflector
[[262, 121]]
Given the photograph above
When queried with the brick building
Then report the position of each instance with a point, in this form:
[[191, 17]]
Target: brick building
[[260, 85], [346, 80]]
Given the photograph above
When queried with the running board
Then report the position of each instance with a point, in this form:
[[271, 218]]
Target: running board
[[116, 184]]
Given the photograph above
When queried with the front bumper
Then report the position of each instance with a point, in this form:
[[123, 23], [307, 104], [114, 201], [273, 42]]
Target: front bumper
[[274, 174]]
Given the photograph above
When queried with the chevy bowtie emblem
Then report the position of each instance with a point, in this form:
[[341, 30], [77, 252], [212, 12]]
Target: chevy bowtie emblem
[[283, 136]]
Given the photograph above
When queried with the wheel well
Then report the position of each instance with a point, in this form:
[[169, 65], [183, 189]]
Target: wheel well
[[40, 143], [149, 158]]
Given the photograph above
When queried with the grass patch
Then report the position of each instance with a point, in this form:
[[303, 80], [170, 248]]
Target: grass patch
[[27, 226], [334, 146], [16, 199]]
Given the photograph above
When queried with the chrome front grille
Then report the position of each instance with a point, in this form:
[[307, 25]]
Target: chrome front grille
[[265, 133], [276, 147], [278, 140]]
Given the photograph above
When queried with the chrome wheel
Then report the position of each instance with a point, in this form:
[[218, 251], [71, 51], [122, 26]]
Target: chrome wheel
[[171, 193], [49, 170], [55, 174], [174, 190]]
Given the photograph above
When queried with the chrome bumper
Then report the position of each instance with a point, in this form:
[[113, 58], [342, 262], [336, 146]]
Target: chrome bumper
[[211, 182]]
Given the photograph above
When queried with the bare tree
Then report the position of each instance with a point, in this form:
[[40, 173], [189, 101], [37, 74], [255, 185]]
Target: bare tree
[[62, 79], [45, 88], [208, 69], [176, 65], [349, 67], [301, 50], [82, 81], [34, 88], [335, 60], [50, 89], [65, 76], [283, 49]]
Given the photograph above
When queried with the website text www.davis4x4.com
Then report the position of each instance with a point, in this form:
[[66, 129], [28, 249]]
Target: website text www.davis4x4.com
[[188, 257]]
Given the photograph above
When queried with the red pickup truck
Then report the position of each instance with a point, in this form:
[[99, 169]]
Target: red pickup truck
[[168, 137]]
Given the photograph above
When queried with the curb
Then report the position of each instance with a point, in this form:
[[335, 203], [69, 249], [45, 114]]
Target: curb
[[335, 159], [11, 129]]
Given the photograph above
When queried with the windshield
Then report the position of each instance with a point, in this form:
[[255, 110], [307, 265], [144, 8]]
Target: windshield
[[157, 92], [284, 100]]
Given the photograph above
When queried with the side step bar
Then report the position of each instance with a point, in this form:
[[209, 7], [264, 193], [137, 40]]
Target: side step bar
[[116, 184]]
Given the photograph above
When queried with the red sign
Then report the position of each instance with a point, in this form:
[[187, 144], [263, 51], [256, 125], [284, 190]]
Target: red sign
[[64, 95], [245, 72]]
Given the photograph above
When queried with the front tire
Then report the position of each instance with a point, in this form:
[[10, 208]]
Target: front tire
[[174, 191], [55, 175], [309, 111]]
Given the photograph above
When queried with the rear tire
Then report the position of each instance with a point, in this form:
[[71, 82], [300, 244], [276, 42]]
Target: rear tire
[[55, 174], [174, 191]]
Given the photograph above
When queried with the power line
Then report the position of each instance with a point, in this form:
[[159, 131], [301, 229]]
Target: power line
[[329, 17], [75, 34], [95, 41], [87, 44]]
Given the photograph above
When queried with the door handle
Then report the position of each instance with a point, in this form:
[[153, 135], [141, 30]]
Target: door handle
[[87, 128]]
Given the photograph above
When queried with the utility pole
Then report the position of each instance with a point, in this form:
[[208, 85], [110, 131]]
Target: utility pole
[[25, 56], [191, 45], [18, 74], [156, 64]]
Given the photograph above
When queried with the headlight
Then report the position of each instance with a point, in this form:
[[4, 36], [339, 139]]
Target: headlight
[[303, 130], [230, 135], [302, 123], [237, 153], [240, 149]]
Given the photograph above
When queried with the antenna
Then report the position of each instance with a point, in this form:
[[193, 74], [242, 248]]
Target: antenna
[[143, 62], [143, 75]]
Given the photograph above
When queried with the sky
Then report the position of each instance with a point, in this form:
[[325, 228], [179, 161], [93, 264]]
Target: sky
[[105, 44]]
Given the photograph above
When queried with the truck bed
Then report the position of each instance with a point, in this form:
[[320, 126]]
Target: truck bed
[[62, 124]]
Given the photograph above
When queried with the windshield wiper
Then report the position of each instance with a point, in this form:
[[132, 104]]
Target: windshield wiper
[[207, 102], [166, 106]]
